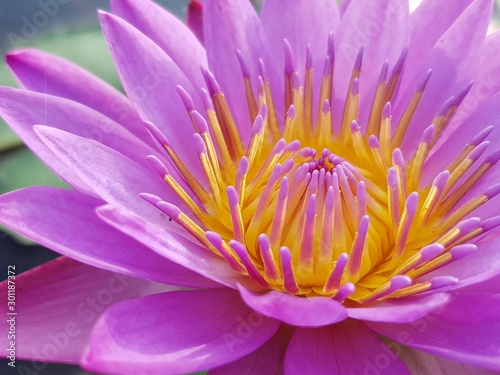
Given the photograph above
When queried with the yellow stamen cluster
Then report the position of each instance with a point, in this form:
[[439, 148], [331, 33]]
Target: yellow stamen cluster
[[310, 207]]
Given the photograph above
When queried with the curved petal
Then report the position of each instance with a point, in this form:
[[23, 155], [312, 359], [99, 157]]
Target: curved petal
[[371, 25], [177, 332], [428, 23], [55, 217], [454, 141], [466, 330], [150, 78], [195, 19], [58, 304], [421, 363], [174, 247], [399, 311], [296, 311], [114, 177], [477, 111], [344, 348], [486, 80], [168, 32], [453, 61], [301, 22], [268, 359], [45, 73], [230, 25], [22, 109], [486, 84]]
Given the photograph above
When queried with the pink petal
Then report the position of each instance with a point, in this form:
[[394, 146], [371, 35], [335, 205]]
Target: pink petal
[[301, 22], [230, 25], [293, 310], [344, 348], [477, 111], [343, 6], [453, 60], [58, 304], [176, 332], [150, 78], [45, 73], [455, 140], [371, 25], [174, 247], [428, 23], [55, 217], [465, 330], [421, 363], [268, 359], [195, 18], [168, 32], [114, 177], [22, 109], [402, 310]]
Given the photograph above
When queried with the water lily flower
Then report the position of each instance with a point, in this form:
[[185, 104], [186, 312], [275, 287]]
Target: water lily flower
[[311, 190]]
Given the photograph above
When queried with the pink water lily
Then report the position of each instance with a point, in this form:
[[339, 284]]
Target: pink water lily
[[311, 190]]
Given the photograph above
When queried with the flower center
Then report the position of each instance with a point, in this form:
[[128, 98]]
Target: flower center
[[310, 207]]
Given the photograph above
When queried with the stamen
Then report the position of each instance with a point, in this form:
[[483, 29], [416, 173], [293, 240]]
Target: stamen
[[308, 87], [393, 82], [162, 170], [454, 254], [307, 243], [245, 71], [378, 103], [290, 283], [188, 178], [216, 240], [465, 165], [396, 283], [280, 214], [234, 206], [358, 246], [405, 224], [433, 197], [428, 253], [201, 149], [228, 126], [335, 278], [385, 131], [409, 112], [344, 292], [289, 70], [220, 140], [242, 253], [420, 156], [270, 269]]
